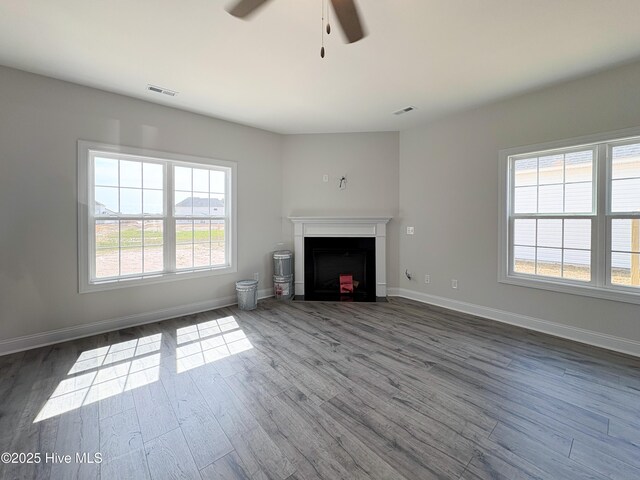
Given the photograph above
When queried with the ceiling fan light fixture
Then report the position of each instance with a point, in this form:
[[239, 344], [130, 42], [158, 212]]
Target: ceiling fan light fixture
[[346, 12]]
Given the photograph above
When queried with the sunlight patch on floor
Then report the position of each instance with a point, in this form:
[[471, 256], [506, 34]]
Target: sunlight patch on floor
[[209, 341], [105, 372]]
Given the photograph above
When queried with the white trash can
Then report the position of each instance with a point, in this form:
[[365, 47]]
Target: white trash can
[[247, 291]]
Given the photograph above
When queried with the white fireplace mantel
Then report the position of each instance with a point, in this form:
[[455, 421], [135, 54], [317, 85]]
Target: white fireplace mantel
[[341, 227]]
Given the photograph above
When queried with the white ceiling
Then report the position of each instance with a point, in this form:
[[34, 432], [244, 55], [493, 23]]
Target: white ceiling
[[438, 55]]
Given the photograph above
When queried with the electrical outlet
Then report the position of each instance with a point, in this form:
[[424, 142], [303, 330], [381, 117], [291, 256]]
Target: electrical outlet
[[325, 178], [410, 230], [256, 276], [454, 283], [427, 279]]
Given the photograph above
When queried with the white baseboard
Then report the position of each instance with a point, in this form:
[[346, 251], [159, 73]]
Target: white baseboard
[[28, 342], [581, 335]]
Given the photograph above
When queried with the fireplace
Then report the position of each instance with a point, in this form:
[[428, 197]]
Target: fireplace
[[363, 244], [326, 259]]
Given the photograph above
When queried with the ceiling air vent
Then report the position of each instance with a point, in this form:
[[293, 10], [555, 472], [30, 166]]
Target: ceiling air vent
[[404, 110], [155, 88]]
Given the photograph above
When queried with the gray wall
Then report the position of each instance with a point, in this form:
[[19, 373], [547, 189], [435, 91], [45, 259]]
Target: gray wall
[[440, 178], [449, 192], [370, 163], [40, 122]]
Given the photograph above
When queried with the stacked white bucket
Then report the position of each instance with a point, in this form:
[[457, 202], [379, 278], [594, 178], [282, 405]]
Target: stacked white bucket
[[283, 274]]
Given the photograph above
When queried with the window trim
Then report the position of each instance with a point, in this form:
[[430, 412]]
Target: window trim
[[84, 170], [600, 286]]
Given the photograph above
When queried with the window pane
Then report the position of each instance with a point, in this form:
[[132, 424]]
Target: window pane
[[106, 172], [217, 181], [625, 235], [153, 232], [184, 231], [107, 234], [200, 203], [130, 233], [578, 166], [217, 205], [153, 259], [106, 201], [526, 172], [549, 262], [625, 195], [621, 235], [524, 260], [526, 199], [550, 199], [182, 178], [107, 262], [201, 232], [183, 203], [200, 180], [153, 176], [577, 265], [625, 269], [201, 255], [217, 230], [131, 201], [578, 197], [130, 261], [551, 169], [626, 161], [218, 255], [550, 233], [107, 240], [524, 232], [153, 202], [184, 256], [130, 174], [577, 234]]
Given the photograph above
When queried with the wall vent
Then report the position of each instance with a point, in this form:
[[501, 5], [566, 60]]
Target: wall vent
[[156, 89], [404, 110]]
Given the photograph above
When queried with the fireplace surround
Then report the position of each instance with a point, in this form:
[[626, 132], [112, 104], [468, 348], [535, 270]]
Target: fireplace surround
[[356, 234]]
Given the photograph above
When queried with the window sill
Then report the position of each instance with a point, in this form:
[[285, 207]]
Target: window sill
[[151, 279], [616, 294]]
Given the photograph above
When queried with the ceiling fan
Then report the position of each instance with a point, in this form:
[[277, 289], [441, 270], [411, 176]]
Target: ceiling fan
[[345, 10]]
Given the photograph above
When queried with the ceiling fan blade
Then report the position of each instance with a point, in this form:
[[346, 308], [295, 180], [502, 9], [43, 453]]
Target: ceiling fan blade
[[349, 19], [244, 8]]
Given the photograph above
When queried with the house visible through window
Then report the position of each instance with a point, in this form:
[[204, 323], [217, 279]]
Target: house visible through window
[[552, 215], [571, 218], [200, 222], [152, 217]]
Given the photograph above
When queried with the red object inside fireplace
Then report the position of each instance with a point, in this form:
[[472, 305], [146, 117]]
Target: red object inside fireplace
[[346, 283]]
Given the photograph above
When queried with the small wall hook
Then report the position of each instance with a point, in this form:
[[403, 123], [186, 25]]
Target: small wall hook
[[407, 274], [343, 183]]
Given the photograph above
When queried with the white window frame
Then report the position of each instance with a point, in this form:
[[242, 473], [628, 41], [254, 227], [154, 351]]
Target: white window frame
[[600, 285], [169, 160]]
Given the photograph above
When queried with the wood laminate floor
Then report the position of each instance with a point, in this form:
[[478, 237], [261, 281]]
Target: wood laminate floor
[[394, 390]]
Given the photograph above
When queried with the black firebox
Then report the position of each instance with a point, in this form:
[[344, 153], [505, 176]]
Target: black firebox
[[326, 258]]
